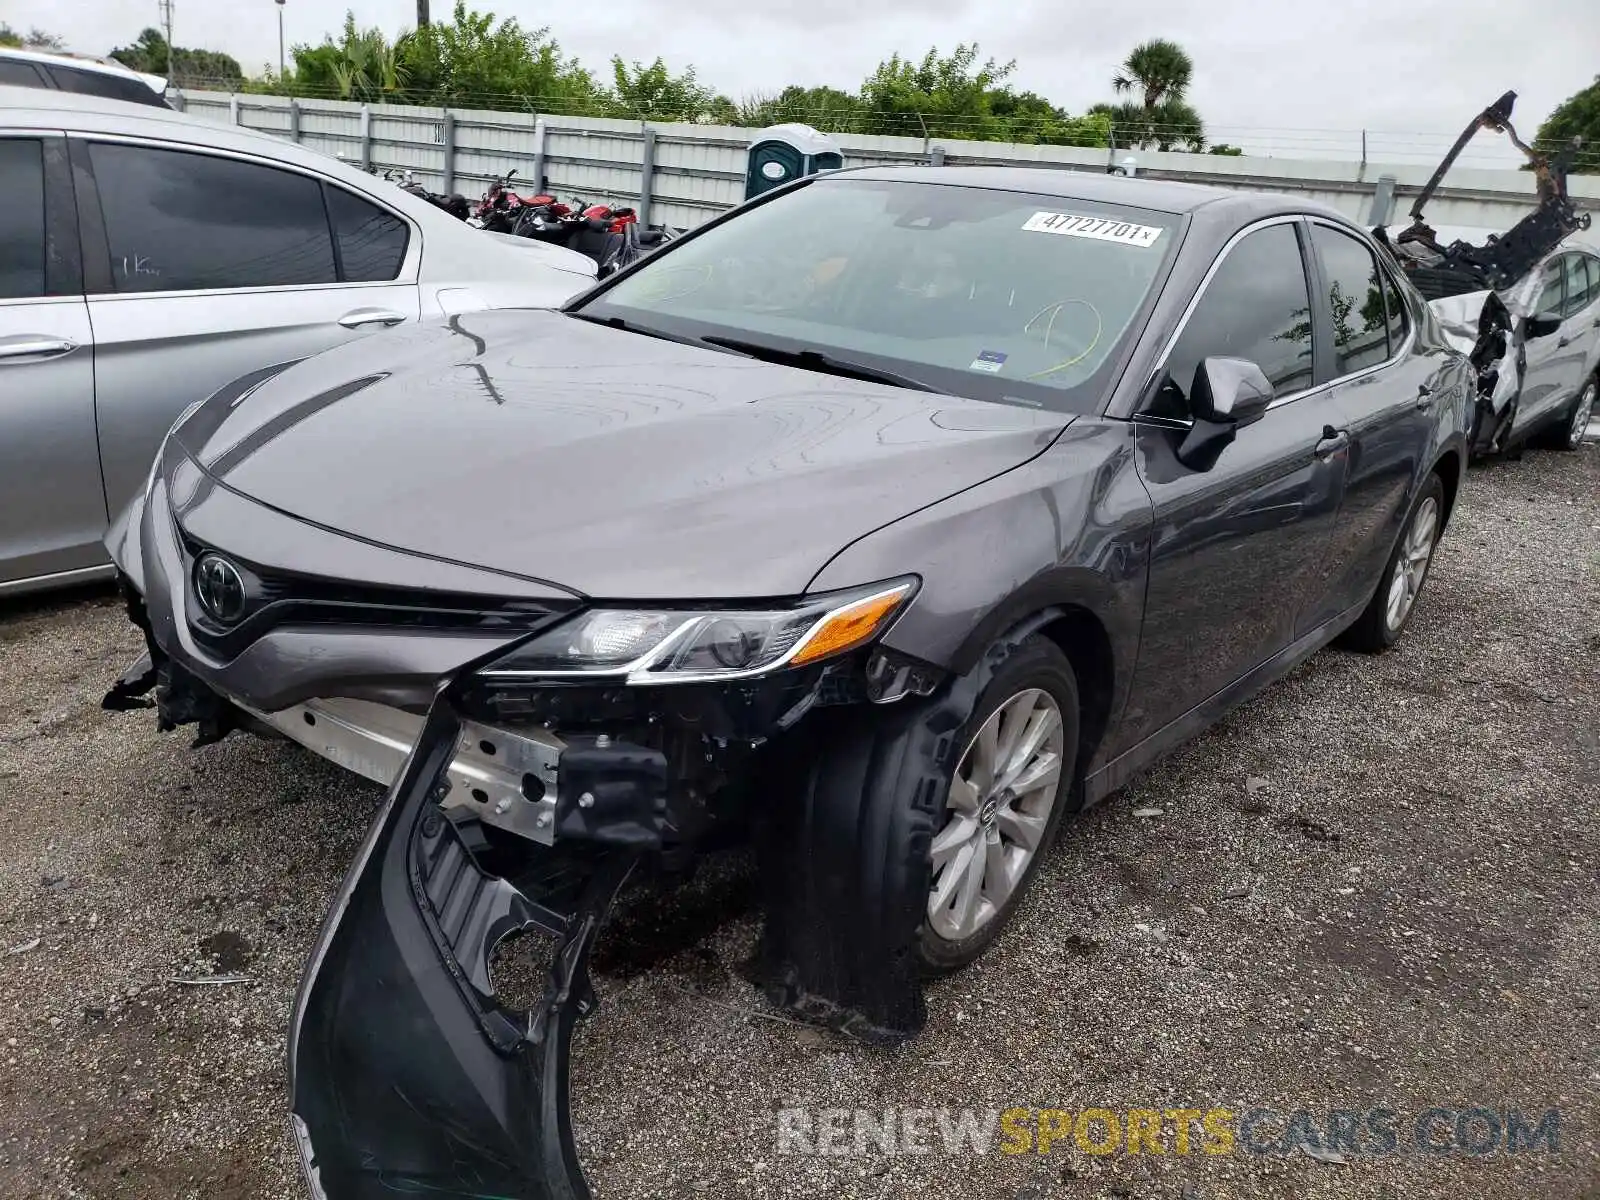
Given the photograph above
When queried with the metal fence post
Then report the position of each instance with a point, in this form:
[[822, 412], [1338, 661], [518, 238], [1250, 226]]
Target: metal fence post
[[366, 138], [647, 172], [294, 119], [539, 131], [447, 131]]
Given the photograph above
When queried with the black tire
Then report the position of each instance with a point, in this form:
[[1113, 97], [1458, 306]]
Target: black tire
[[1567, 432], [1037, 663], [1373, 631]]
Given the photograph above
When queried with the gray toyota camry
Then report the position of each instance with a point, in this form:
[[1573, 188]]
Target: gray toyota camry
[[882, 524]]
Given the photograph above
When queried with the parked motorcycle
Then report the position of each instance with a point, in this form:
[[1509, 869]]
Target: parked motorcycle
[[455, 204]]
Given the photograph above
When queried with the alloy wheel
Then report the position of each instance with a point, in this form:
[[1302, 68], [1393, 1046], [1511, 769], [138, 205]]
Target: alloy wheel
[[1411, 567], [997, 813], [1581, 413]]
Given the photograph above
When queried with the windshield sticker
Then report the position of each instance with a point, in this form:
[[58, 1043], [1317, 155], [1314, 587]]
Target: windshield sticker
[[1103, 229], [990, 361]]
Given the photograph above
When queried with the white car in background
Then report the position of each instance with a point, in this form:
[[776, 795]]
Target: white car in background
[[148, 258]]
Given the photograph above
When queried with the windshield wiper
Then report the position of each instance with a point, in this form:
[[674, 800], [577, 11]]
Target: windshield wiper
[[631, 327], [814, 360]]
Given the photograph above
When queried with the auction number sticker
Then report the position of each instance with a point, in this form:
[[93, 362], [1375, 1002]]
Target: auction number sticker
[[1102, 229]]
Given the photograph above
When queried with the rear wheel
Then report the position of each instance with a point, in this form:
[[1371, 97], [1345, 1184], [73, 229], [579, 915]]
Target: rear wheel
[[1379, 627], [1010, 791], [1570, 432]]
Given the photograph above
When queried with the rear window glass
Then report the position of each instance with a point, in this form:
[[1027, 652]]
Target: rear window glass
[[176, 220], [1352, 299], [372, 242], [999, 295], [19, 74], [102, 83], [22, 219]]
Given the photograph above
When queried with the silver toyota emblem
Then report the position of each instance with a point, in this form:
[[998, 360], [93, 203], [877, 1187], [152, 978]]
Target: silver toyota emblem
[[220, 588]]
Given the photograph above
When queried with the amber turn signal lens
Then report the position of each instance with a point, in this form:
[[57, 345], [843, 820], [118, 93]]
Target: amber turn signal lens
[[850, 626]]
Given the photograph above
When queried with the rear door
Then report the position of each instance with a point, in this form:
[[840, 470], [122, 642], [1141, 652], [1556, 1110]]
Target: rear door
[[52, 509], [1384, 398], [1574, 354], [202, 266]]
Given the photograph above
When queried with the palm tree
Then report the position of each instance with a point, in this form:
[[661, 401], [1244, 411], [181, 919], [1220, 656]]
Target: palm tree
[[1158, 69]]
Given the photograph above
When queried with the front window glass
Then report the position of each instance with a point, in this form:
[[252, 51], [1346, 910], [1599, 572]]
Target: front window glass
[[999, 295], [1255, 307], [1549, 302]]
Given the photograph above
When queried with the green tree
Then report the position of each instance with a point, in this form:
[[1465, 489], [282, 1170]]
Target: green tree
[[362, 65], [937, 97], [654, 93], [1578, 116], [34, 39], [1156, 70], [823, 108], [1031, 119], [1156, 74], [472, 61], [209, 68]]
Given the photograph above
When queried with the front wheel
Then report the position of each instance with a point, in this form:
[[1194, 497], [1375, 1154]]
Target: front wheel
[[1010, 791], [1380, 625]]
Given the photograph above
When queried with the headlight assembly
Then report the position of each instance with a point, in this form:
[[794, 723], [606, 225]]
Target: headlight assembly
[[703, 644]]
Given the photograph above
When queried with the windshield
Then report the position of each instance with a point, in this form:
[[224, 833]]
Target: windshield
[[997, 295]]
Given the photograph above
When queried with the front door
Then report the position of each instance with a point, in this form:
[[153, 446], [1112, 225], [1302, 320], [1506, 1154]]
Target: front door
[[52, 510], [1237, 549], [206, 267], [1546, 357]]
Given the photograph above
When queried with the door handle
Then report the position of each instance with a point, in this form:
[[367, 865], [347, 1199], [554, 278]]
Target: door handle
[[358, 317], [1563, 341], [1425, 397], [1333, 442], [35, 346]]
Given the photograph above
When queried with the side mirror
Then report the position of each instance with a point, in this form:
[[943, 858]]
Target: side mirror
[[1228, 393], [1542, 325], [1232, 390]]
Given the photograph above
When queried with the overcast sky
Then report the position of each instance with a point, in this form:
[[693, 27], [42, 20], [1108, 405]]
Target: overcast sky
[[1274, 77]]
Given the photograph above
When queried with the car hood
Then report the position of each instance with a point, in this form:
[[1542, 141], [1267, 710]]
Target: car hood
[[618, 465]]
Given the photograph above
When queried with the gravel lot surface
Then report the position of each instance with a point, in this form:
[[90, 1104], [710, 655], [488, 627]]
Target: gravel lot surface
[[1374, 886]]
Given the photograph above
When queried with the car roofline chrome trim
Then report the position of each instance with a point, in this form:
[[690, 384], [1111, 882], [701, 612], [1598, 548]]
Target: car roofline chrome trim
[[1238, 236]]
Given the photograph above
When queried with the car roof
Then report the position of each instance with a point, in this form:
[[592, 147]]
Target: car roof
[[1158, 195], [155, 82], [36, 108]]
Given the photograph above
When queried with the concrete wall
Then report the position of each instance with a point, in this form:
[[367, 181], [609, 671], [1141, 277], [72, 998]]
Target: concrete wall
[[685, 174]]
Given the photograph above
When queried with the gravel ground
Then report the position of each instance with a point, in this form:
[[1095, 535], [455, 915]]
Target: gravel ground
[[1374, 886]]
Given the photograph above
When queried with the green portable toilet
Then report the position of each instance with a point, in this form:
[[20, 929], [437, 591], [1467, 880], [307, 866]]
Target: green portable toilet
[[787, 152]]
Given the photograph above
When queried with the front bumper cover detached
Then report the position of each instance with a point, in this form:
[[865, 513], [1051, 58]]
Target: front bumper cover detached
[[407, 1073]]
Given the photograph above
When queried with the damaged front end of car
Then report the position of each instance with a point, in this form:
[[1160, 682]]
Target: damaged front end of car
[[1483, 295], [587, 747]]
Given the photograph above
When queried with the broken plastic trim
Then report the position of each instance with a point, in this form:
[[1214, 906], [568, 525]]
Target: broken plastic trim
[[406, 1073], [843, 854]]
